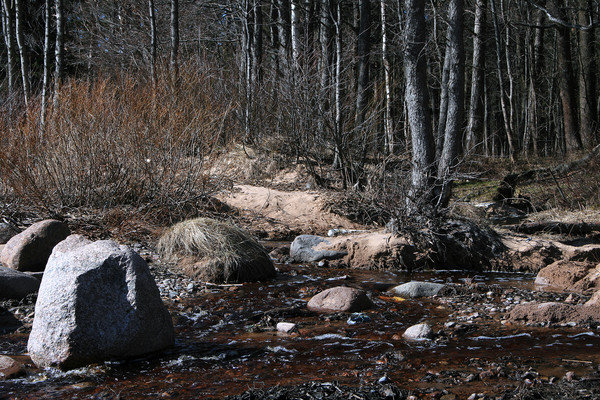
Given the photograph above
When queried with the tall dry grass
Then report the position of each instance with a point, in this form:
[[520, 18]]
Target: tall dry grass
[[116, 140]]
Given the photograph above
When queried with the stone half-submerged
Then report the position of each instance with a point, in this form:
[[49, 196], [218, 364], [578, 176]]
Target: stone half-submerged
[[97, 302]]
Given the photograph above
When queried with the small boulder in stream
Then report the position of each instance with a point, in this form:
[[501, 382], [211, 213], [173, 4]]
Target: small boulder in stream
[[9, 368], [30, 249], [418, 332], [97, 302], [16, 284], [340, 299], [311, 248], [415, 289]]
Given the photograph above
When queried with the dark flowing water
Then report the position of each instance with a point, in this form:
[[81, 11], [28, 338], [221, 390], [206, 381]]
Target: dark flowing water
[[226, 342]]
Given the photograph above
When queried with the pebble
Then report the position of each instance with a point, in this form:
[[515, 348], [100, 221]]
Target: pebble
[[570, 376], [287, 327]]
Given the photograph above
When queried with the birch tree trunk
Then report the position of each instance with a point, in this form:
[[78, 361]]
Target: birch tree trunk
[[295, 36], [23, 53], [456, 79], [174, 62], [8, 29], [388, 129], [417, 102], [587, 83], [474, 127], [58, 49], [499, 70], [46, 73], [153, 41]]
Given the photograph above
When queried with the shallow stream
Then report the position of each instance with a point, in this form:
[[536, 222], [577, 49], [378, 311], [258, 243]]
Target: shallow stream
[[227, 342]]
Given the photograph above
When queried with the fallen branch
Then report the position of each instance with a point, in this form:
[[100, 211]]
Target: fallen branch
[[579, 228]]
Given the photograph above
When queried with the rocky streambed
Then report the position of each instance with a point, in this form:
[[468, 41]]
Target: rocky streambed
[[227, 342]]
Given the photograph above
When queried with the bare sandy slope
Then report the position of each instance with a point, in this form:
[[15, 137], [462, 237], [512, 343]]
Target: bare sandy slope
[[297, 211]]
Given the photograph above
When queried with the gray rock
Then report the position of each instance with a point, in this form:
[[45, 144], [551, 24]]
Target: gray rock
[[30, 249], [417, 289], [340, 298], [311, 248], [98, 302], [9, 368], [71, 243], [7, 231], [16, 284], [287, 327], [418, 332]]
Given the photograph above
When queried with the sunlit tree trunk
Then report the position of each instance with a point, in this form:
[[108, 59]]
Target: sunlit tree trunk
[[174, 62], [58, 49], [46, 73], [8, 28], [153, 41], [23, 53], [388, 128], [499, 70]]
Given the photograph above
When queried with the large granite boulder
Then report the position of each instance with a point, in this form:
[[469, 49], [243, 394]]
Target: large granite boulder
[[16, 284], [30, 249], [97, 302], [311, 248], [340, 299], [417, 289]]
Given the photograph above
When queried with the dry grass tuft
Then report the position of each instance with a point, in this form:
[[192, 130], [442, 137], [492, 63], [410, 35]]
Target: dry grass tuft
[[215, 251]]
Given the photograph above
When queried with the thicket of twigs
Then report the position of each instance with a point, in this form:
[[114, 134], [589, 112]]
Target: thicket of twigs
[[117, 140]]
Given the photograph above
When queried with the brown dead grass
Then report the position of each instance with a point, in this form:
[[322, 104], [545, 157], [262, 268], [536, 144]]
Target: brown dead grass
[[215, 251]]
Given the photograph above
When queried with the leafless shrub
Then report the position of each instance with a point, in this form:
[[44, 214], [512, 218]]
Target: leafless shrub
[[118, 141]]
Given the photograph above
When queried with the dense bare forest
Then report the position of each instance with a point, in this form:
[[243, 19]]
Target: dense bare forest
[[346, 86]]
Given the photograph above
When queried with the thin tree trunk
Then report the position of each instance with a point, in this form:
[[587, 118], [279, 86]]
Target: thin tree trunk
[[324, 60], [23, 53], [174, 62], [456, 81], [283, 25], [338, 90], [257, 42], [566, 83], [505, 113], [8, 26], [474, 127], [535, 117], [58, 49], [417, 101], [295, 37], [46, 73], [363, 49], [443, 111], [587, 83], [153, 41], [388, 128]]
